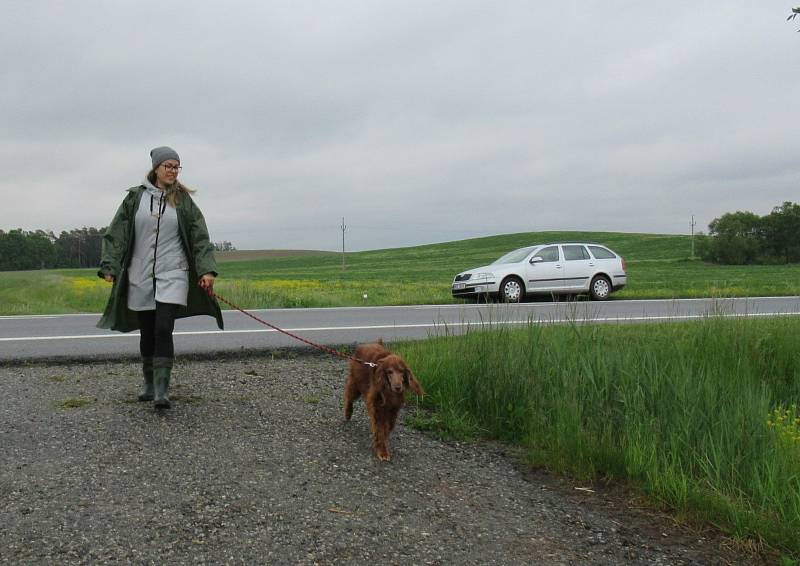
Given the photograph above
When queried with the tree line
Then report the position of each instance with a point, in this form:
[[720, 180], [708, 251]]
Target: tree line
[[40, 249], [744, 238]]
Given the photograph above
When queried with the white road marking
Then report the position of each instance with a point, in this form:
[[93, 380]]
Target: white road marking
[[470, 306], [33, 316], [404, 326]]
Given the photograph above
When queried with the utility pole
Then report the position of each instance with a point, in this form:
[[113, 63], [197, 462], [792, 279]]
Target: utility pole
[[344, 228], [692, 225]]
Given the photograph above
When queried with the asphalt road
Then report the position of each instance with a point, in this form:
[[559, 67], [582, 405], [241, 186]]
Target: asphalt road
[[76, 336]]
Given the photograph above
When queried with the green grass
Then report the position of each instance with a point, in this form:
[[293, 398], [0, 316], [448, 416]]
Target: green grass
[[52, 292], [658, 267], [74, 403], [658, 279], [687, 412]]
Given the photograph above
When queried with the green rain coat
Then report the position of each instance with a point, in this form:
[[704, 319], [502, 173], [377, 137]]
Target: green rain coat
[[118, 249]]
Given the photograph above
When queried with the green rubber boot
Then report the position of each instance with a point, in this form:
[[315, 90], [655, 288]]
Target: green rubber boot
[[148, 391], [161, 377]]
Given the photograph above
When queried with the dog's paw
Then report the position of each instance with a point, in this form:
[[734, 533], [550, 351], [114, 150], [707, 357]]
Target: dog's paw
[[384, 456]]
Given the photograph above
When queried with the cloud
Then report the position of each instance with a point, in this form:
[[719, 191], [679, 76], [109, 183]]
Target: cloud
[[417, 122]]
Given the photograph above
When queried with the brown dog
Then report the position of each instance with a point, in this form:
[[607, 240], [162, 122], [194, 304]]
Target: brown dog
[[383, 388]]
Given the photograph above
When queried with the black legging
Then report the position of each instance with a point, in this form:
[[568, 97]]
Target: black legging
[[156, 331]]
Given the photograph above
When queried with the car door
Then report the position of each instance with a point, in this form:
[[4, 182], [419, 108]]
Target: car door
[[579, 266], [544, 270]]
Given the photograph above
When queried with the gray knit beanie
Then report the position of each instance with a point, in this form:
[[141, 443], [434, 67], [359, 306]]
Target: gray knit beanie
[[161, 154]]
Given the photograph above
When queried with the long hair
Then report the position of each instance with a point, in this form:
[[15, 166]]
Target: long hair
[[173, 192]]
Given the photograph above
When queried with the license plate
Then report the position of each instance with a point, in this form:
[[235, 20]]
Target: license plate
[[459, 285]]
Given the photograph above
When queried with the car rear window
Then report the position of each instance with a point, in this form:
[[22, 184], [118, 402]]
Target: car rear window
[[601, 253], [574, 252]]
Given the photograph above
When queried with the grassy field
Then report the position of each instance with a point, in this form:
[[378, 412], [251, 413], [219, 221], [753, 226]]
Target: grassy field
[[703, 417], [658, 267], [250, 255]]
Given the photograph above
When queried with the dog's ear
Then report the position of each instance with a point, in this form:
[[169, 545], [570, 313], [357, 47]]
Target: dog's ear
[[379, 373], [377, 384], [412, 382]]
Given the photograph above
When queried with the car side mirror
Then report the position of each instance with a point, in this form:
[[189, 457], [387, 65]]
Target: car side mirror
[[537, 259]]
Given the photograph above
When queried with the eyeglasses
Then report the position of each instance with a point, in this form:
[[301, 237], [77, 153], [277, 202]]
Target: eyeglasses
[[175, 168]]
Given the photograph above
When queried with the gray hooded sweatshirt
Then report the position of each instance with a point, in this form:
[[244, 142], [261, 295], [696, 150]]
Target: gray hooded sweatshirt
[[158, 269]]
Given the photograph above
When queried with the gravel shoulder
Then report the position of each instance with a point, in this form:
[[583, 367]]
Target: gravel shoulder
[[254, 464]]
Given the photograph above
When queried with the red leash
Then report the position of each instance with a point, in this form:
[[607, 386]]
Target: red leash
[[212, 294]]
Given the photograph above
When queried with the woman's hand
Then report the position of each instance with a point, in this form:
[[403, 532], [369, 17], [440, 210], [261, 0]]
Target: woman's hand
[[206, 283], [108, 277]]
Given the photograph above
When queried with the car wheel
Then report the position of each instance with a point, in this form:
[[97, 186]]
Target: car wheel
[[600, 288], [511, 290]]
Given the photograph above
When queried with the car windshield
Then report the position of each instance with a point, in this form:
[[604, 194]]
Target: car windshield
[[514, 257]]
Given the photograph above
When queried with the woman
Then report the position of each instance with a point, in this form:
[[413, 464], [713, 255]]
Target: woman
[[154, 251]]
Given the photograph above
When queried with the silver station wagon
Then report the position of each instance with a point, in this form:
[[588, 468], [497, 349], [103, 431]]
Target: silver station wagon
[[572, 268]]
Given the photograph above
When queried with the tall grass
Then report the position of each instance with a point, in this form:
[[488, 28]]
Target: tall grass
[[687, 412]]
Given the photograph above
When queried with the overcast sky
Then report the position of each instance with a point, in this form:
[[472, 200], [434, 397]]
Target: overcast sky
[[417, 121]]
